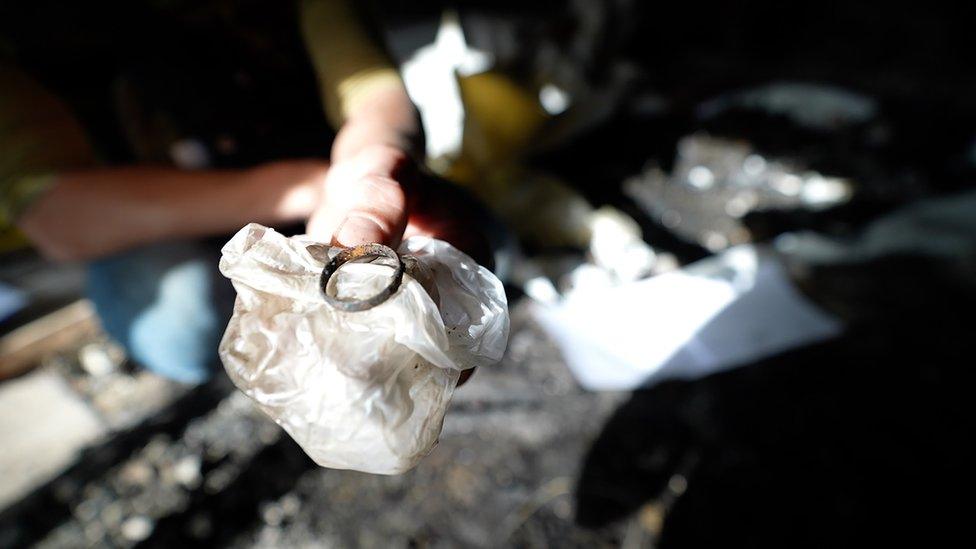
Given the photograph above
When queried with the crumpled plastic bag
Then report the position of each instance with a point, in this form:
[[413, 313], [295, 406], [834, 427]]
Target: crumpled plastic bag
[[360, 390]]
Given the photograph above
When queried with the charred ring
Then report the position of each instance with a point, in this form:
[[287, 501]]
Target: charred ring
[[352, 254]]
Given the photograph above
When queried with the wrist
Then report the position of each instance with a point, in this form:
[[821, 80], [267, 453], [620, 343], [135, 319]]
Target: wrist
[[385, 117]]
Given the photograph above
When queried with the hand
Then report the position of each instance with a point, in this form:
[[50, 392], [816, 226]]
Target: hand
[[363, 199], [380, 195]]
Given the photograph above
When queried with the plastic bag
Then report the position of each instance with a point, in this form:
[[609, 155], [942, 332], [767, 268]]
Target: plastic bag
[[360, 390]]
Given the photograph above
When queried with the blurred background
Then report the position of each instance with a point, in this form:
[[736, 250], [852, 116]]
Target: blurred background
[[738, 243]]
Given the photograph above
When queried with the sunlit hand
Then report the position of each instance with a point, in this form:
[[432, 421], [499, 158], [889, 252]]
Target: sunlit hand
[[363, 200], [379, 195]]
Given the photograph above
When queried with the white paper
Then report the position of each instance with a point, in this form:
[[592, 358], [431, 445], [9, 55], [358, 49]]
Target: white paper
[[728, 310]]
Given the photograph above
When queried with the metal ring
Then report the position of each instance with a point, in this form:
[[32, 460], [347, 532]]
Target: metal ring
[[352, 254]]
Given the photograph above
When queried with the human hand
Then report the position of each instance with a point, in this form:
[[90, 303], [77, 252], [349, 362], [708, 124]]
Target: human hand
[[363, 199], [380, 195]]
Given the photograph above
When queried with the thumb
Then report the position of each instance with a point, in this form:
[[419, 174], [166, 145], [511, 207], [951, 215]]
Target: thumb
[[370, 209]]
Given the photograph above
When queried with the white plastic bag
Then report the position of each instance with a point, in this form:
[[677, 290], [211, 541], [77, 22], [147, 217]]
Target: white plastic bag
[[360, 390]]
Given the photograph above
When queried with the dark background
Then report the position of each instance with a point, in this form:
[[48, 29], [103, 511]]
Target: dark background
[[859, 441]]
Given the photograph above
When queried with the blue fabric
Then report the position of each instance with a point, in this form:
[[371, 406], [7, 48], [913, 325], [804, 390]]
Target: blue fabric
[[166, 304]]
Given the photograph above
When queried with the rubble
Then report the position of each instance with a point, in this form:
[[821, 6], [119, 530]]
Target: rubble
[[230, 476], [715, 183]]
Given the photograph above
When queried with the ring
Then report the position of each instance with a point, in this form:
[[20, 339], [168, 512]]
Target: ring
[[352, 254]]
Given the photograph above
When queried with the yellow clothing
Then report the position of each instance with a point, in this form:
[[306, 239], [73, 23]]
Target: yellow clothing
[[38, 137], [348, 64], [501, 117]]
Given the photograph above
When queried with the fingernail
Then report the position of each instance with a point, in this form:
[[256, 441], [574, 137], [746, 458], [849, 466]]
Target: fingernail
[[358, 230]]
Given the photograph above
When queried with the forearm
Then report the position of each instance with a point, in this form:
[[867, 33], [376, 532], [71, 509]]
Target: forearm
[[362, 93], [88, 214]]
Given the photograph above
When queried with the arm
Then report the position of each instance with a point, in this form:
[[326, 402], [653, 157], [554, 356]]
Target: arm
[[379, 129], [86, 214], [72, 210], [361, 90]]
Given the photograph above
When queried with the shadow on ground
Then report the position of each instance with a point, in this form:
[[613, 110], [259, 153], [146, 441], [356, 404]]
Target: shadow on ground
[[863, 439]]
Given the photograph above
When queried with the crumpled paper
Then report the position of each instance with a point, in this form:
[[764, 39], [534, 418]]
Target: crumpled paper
[[360, 390]]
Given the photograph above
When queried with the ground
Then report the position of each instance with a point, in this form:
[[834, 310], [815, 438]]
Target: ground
[[209, 468], [829, 445]]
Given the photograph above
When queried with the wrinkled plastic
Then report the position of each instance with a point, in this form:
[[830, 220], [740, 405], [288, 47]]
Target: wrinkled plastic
[[357, 390]]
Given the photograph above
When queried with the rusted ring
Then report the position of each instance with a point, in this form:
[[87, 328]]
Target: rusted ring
[[352, 254]]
